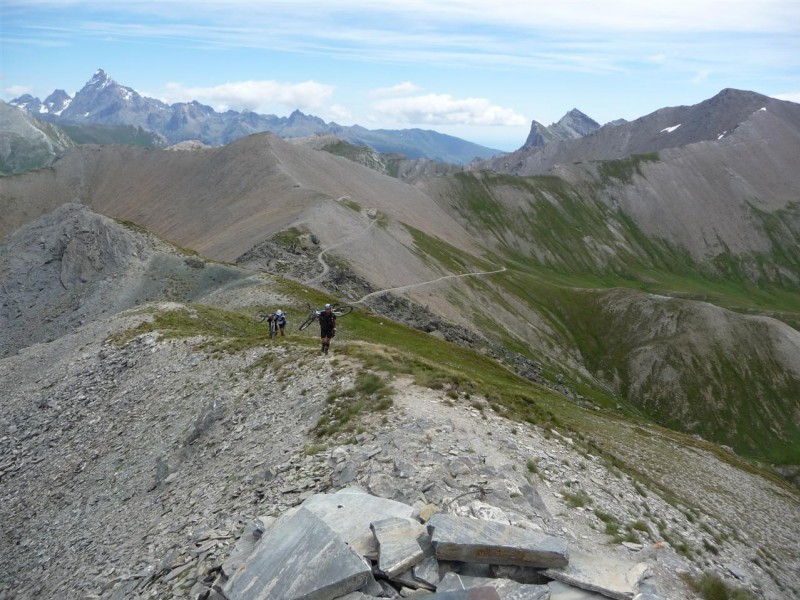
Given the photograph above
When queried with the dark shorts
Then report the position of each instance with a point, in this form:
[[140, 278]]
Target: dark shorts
[[326, 332]]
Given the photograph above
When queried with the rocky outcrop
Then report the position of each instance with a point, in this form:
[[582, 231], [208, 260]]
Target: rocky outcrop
[[72, 266], [323, 550]]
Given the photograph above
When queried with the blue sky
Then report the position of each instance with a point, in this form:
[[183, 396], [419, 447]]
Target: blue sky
[[480, 70]]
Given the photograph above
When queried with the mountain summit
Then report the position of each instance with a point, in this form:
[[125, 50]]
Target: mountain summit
[[571, 126]]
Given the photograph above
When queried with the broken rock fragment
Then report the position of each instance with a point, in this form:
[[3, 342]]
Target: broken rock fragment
[[398, 549], [299, 558], [610, 577], [474, 541], [349, 513], [505, 588]]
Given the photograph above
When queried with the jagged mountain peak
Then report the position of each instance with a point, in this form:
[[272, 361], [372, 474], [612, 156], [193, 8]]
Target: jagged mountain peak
[[100, 79], [57, 102], [574, 114], [576, 124], [572, 125], [28, 103]]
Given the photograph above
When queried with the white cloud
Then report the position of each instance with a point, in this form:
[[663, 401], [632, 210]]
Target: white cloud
[[701, 76], [401, 89], [789, 96], [253, 95], [15, 91], [339, 112], [587, 15], [443, 109]]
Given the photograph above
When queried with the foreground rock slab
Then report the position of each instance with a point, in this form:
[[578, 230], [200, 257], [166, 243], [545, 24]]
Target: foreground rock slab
[[350, 512], [299, 558], [562, 591], [398, 546], [481, 593], [612, 578], [474, 541], [506, 589]]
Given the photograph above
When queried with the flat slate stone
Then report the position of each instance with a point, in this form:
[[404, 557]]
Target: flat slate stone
[[617, 579], [350, 512], [562, 591], [474, 541], [299, 558], [398, 549], [483, 593], [506, 589]]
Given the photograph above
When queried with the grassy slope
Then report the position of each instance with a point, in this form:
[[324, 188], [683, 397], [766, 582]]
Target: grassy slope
[[102, 134], [563, 249], [389, 348]]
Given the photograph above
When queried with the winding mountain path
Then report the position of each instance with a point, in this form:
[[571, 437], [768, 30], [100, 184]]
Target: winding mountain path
[[421, 283], [325, 267]]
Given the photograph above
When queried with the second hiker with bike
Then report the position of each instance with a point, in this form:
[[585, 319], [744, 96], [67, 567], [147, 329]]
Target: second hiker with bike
[[327, 327]]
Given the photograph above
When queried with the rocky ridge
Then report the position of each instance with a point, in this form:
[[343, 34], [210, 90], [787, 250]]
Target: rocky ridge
[[132, 470]]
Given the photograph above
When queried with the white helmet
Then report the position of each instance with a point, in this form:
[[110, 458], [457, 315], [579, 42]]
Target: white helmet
[[328, 306], [279, 312]]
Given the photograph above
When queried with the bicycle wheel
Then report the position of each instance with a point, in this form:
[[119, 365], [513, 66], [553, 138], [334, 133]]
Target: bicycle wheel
[[273, 329], [341, 311], [309, 320]]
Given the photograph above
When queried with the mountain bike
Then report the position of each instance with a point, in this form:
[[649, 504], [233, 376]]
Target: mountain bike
[[313, 315]]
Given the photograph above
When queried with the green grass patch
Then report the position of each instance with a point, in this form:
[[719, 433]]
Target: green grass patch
[[226, 331], [289, 236], [712, 587], [432, 250], [624, 169], [351, 204], [577, 498], [370, 393]]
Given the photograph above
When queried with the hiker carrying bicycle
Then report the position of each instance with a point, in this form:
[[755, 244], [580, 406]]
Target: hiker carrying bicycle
[[327, 327], [279, 318], [276, 321]]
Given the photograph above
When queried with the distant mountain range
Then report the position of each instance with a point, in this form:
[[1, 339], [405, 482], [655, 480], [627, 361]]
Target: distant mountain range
[[102, 101]]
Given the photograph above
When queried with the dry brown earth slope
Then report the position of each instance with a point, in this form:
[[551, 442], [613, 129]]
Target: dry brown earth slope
[[222, 202]]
